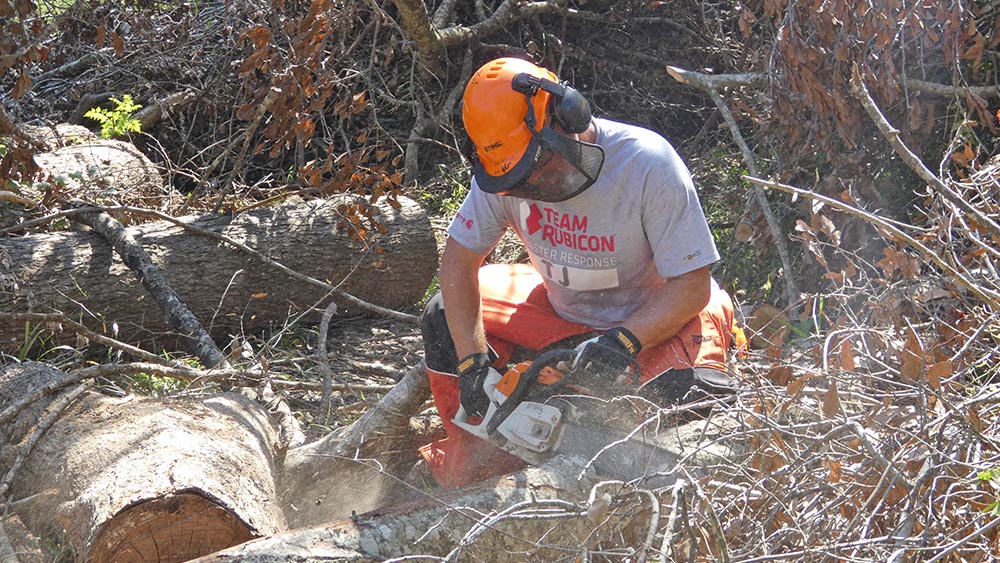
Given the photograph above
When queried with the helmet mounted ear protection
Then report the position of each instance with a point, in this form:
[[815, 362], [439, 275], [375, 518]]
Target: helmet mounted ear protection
[[569, 108]]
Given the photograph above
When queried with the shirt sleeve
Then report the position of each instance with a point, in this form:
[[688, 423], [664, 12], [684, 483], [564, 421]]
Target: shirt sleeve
[[480, 221], [673, 219]]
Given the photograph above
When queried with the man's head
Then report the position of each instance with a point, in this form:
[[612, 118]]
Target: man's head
[[525, 127]]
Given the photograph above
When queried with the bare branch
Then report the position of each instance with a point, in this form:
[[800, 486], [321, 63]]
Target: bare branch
[[14, 198], [759, 79], [59, 318], [324, 359], [710, 84], [988, 296], [508, 13], [177, 313], [946, 90], [891, 134], [422, 32]]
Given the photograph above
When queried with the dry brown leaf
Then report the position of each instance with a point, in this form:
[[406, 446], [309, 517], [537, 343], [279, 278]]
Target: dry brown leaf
[[974, 420], [780, 375], [965, 156], [22, 85], [836, 470], [118, 43], [911, 358], [846, 355], [896, 495], [831, 401], [939, 371], [795, 386], [767, 326], [779, 441]]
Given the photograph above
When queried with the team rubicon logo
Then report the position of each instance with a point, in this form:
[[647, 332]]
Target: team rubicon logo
[[563, 229]]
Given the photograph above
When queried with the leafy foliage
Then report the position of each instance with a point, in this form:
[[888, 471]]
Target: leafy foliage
[[117, 122], [991, 478]]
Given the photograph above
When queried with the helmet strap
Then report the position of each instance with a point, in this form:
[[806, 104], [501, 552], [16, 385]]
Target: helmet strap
[[529, 117]]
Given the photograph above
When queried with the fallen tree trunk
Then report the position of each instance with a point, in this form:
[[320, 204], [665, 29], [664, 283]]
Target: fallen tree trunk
[[436, 526], [561, 510], [97, 169], [230, 292], [141, 479]]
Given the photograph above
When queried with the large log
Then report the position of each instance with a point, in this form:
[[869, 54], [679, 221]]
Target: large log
[[230, 292], [559, 510], [141, 479]]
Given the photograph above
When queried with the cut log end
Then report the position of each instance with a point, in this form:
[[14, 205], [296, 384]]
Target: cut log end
[[177, 527]]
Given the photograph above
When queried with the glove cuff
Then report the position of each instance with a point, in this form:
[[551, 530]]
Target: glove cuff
[[472, 363], [623, 339]]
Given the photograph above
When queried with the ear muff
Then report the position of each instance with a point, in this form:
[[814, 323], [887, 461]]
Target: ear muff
[[572, 110], [568, 106]]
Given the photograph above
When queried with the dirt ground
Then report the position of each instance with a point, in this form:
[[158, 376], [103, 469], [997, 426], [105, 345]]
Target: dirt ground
[[366, 354]]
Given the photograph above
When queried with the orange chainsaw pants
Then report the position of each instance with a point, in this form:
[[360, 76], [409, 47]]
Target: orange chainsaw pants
[[518, 318]]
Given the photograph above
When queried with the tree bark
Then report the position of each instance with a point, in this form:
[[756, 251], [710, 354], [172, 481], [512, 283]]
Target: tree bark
[[229, 291], [141, 479], [101, 170]]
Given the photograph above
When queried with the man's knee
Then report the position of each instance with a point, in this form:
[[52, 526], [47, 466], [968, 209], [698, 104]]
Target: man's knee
[[439, 349], [689, 385]]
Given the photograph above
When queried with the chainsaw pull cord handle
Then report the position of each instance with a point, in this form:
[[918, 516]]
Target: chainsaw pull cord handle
[[528, 380]]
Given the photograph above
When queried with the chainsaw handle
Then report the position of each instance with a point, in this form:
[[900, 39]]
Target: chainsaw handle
[[527, 380]]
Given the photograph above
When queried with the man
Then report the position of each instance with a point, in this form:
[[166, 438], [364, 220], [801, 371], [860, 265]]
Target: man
[[619, 248]]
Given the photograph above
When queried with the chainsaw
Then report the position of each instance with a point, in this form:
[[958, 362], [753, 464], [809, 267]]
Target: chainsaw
[[549, 407]]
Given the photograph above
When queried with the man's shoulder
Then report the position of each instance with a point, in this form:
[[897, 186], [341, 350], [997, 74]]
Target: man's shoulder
[[619, 132]]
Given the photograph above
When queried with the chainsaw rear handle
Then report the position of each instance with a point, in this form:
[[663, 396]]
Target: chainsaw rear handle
[[528, 380]]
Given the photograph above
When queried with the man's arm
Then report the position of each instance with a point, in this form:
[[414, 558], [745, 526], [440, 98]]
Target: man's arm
[[463, 309], [671, 306]]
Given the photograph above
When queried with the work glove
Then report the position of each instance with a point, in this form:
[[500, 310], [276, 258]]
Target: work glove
[[608, 355], [477, 380]]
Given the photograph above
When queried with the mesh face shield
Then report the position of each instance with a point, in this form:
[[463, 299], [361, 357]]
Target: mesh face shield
[[573, 168], [554, 168]]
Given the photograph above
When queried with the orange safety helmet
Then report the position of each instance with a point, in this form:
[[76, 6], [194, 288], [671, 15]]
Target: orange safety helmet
[[493, 113], [509, 109]]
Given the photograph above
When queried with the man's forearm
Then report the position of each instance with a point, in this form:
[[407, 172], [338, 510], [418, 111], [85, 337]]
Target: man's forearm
[[462, 301], [671, 307], [464, 311]]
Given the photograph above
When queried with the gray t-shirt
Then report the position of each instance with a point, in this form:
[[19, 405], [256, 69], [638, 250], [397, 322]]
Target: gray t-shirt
[[601, 252]]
